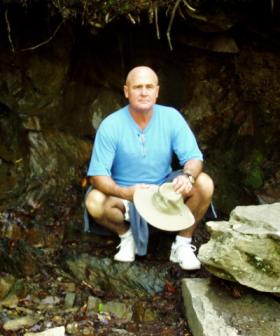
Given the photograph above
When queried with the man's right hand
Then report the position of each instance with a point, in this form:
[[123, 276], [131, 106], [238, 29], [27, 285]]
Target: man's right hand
[[108, 186], [129, 191]]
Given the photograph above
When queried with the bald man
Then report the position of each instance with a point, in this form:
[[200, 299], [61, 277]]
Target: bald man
[[133, 149]]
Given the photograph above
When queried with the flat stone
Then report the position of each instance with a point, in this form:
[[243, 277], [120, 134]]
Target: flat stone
[[6, 283], [93, 303], [212, 311], [11, 301], [21, 322], [118, 309], [69, 300], [58, 331]]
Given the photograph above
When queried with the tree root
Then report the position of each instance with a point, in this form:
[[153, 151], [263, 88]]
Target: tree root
[[45, 42], [9, 31]]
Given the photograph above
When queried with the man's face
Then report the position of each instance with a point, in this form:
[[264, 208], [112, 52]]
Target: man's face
[[141, 90]]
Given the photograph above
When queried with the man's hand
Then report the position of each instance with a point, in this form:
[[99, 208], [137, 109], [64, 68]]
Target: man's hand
[[182, 184], [109, 187], [129, 191]]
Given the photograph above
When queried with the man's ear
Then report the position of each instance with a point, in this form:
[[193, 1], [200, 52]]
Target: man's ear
[[125, 90], [157, 91]]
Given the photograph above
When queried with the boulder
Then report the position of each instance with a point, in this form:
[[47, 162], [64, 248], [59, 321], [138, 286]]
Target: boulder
[[246, 249]]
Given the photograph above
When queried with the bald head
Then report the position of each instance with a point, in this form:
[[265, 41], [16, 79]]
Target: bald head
[[141, 89], [141, 70]]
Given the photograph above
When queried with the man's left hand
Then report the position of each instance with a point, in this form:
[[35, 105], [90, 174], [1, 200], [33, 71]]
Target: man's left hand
[[182, 184]]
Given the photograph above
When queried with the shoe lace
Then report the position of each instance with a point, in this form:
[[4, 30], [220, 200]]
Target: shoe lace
[[191, 246]]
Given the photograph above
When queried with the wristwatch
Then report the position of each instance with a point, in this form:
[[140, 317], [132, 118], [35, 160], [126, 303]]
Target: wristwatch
[[190, 177]]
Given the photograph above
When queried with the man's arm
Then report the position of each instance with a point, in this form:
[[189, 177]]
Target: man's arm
[[109, 187], [193, 167]]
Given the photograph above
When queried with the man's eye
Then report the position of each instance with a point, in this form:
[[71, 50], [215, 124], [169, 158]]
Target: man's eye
[[148, 87]]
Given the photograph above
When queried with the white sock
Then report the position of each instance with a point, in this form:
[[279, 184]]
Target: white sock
[[126, 234], [183, 240]]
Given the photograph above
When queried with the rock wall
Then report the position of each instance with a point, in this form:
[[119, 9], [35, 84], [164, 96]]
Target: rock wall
[[225, 82]]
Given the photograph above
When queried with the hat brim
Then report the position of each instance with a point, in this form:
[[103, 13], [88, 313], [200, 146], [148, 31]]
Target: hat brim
[[168, 222]]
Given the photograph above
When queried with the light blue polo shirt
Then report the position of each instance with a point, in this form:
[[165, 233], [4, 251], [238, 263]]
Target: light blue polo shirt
[[130, 156]]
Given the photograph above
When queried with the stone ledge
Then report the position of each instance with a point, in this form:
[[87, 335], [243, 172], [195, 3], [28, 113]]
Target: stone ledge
[[211, 311]]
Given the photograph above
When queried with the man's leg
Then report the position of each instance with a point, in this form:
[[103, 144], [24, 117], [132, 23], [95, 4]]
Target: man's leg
[[199, 201], [182, 251], [110, 213], [107, 211]]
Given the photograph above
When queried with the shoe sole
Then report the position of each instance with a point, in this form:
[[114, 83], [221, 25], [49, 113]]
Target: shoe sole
[[175, 260], [121, 260]]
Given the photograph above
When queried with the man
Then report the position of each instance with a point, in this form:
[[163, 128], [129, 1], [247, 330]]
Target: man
[[133, 149]]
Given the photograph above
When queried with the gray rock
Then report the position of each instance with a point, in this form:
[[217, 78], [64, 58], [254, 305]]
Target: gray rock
[[69, 300], [144, 312], [106, 102], [118, 309], [211, 311], [6, 283], [21, 322], [73, 328], [50, 153], [33, 160], [246, 249], [129, 279], [58, 331], [117, 331], [93, 303]]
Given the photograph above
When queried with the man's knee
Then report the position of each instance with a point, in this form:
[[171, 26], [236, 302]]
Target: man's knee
[[95, 203], [205, 185]]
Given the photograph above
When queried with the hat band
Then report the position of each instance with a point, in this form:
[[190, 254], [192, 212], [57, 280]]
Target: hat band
[[165, 205]]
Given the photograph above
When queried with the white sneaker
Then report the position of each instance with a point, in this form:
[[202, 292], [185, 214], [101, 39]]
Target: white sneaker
[[127, 248], [184, 255]]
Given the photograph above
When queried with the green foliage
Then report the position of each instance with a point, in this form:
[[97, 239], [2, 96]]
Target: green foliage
[[252, 170], [254, 179], [100, 308]]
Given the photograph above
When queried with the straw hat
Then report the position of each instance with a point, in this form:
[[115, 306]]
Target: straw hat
[[163, 208]]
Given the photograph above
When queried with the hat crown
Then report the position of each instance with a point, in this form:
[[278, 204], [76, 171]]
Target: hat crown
[[167, 200], [163, 208]]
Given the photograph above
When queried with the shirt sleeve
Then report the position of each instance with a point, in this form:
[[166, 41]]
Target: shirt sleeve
[[184, 142], [103, 152]]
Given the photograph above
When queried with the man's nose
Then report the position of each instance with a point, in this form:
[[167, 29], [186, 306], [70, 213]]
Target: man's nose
[[144, 91]]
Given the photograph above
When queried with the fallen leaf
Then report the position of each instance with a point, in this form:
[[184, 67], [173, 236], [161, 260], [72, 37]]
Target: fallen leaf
[[169, 287]]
